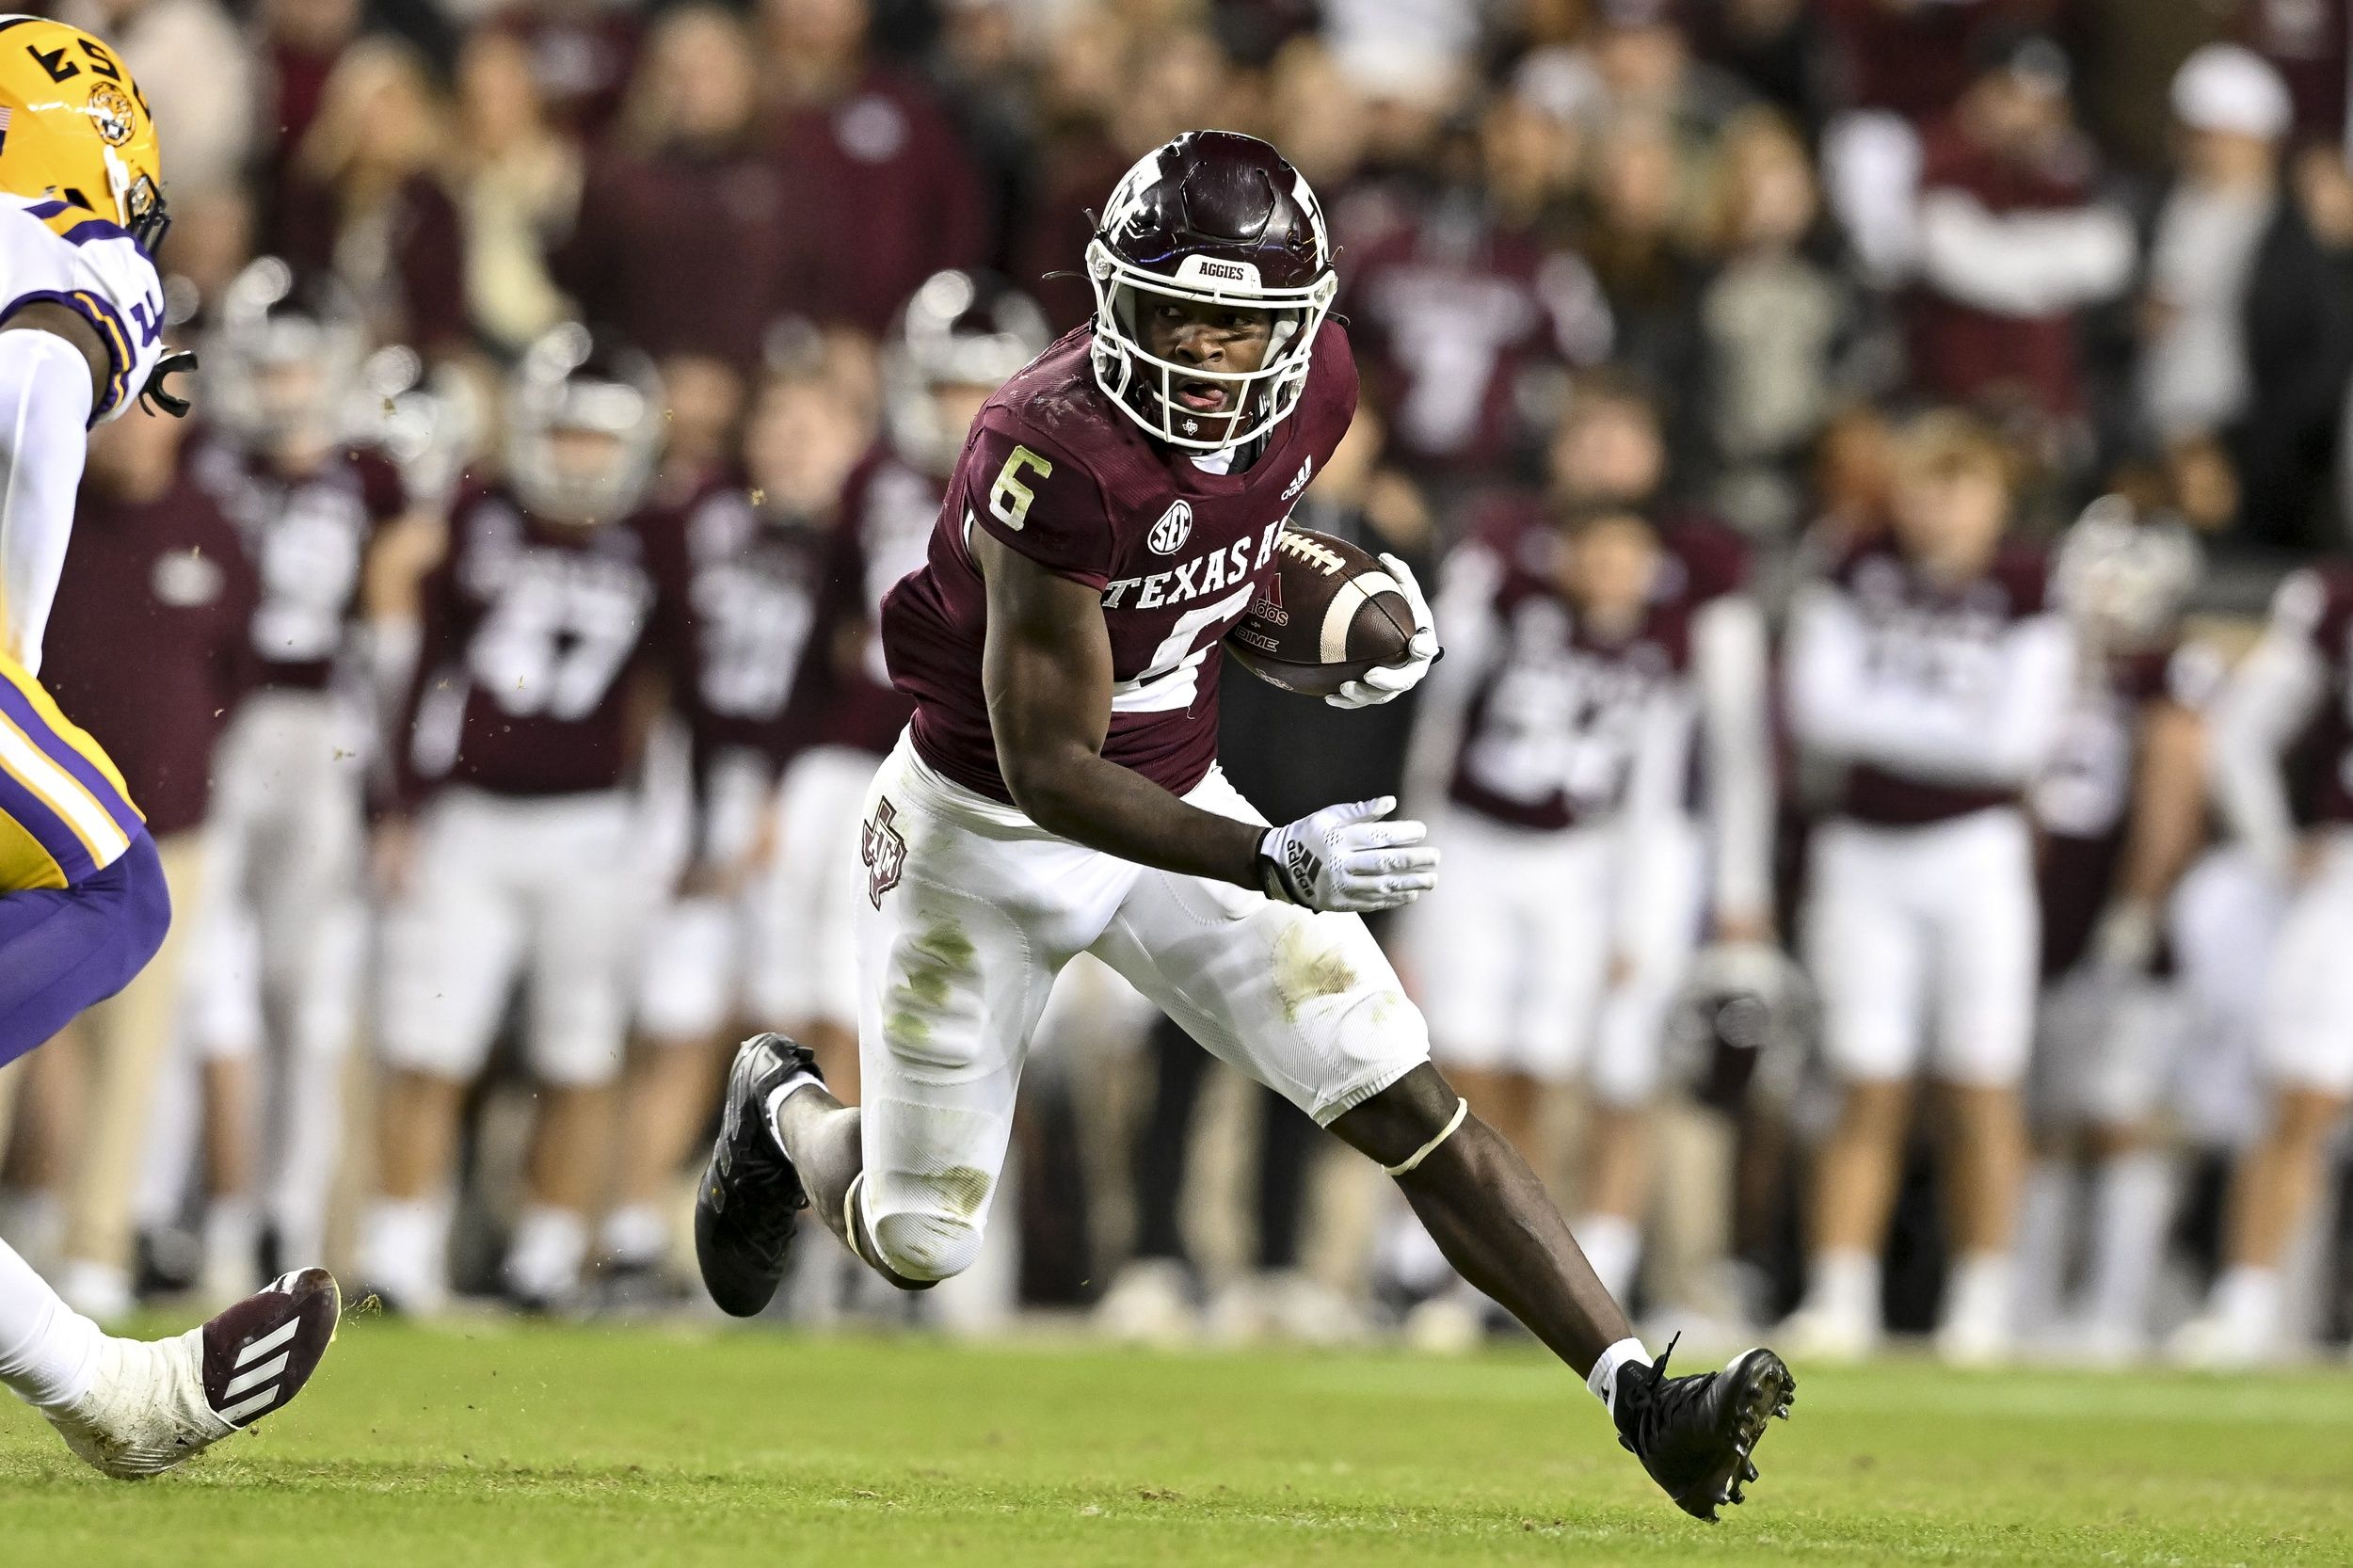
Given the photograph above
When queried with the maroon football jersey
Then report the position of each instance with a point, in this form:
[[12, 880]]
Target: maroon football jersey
[[1931, 640], [738, 595], [889, 509], [528, 630], [1551, 732], [308, 539], [1054, 472], [146, 643]]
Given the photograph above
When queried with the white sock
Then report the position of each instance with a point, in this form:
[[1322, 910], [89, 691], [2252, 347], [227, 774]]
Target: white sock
[[549, 1244], [47, 1350], [636, 1233], [2046, 1219], [2246, 1299], [1977, 1290], [231, 1236], [1614, 1245], [2132, 1204], [33, 1222], [99, 1291], [402, 1244], [778, 1096], [1603, 1378], [1845, 1285]]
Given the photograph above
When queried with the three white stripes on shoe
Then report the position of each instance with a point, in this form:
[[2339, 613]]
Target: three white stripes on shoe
[[248, 1375]]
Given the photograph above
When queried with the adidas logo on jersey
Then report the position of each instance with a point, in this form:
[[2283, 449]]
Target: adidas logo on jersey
[[1299, 480]]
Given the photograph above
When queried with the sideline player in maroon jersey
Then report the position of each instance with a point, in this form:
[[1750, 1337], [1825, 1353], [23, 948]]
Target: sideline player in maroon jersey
[[512, 852], [2283, 728], [1556, 751], [320, 515], [740, 570], [1114, 515], [1929, 673], [2121, 813]]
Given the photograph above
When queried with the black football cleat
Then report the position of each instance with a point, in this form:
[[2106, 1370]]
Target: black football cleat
[[155, 1404], [750, 1194], [1695, 1435]]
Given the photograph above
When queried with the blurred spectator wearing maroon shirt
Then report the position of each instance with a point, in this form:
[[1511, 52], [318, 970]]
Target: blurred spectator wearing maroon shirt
[[854, 135], [145, 650], [2308, 42], [1894, 68], [1453, 308], [684, 226], [2013, 240], [1103, 101], [301, 40], [365, 198], [583, 53]]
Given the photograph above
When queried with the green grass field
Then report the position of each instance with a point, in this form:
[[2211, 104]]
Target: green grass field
[[512, 1447]]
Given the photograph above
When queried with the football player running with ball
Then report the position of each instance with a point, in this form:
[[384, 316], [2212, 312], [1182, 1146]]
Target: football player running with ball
[[83, 904], [1114, 515]]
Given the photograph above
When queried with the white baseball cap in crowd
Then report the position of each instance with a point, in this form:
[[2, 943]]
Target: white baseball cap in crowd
[[2226, 87]]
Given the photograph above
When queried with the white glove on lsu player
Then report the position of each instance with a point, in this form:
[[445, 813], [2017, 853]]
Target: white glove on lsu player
[[1346, 859], [1387, 683]]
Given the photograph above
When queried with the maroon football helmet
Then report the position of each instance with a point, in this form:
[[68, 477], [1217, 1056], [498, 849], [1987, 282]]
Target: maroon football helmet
[[1220, 219]]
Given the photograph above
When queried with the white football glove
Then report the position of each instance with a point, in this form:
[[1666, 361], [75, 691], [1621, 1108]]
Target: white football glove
[[1345, 858], [1387, 683]]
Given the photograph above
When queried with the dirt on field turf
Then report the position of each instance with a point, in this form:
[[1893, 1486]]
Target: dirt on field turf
[[510, 1446]]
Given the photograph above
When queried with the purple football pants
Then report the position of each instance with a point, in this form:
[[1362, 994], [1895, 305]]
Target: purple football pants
[[65, 948]]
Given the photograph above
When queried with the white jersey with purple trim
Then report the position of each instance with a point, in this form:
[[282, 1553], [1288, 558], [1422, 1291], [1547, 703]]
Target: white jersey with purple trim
[[52, 251]]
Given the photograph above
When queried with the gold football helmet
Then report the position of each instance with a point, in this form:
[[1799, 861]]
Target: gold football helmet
[[74, 126]]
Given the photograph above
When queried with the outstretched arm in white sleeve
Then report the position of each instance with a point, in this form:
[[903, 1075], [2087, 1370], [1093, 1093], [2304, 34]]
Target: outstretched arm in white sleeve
[[2265, 704], [2000, 740]]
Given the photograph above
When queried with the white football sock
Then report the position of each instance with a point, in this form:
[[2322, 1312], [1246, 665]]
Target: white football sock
[[231, 1235], [549, 1244], [1614, 1245], [1978, 1290], [401, 1247], [635, 1233], [1603, 1378], [1845, 1285], [300, 1176], [2247, 1300], [2131, 1205], [2046, 1212], [48, 1352], [776, 1097]]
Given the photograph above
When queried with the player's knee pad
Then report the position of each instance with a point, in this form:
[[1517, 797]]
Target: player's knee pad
[[924, 1248]]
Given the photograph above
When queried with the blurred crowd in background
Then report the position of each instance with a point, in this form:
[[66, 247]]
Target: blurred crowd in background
[[1795, 288]]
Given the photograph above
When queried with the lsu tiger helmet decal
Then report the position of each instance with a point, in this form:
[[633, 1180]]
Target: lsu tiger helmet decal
[[73, 124]]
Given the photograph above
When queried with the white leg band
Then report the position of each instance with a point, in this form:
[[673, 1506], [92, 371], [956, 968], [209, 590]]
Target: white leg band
[[1405, 1167]]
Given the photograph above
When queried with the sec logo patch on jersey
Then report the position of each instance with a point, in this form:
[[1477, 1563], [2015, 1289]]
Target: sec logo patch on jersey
[[1175, 527]]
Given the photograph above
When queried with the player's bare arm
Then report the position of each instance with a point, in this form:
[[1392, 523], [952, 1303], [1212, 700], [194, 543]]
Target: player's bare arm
[[1048, 674]]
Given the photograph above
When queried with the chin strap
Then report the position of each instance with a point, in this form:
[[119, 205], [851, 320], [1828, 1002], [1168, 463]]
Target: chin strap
[[1413, 1162], [180, 362]]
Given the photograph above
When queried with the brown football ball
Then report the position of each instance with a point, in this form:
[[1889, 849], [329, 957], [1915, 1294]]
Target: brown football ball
[[1329, 613]]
